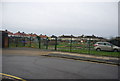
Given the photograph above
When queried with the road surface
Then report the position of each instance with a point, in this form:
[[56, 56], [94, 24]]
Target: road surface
[[41, 67]]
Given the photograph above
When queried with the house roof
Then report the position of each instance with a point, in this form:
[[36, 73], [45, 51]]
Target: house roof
[[90, 37], [34, 35], [28, 34], [43, 36], [18, 33], [9, 33], [67, 36], [83, 36], [22, 34]]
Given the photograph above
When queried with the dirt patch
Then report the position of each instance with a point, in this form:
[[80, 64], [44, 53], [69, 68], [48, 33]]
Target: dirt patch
[[25, 52]]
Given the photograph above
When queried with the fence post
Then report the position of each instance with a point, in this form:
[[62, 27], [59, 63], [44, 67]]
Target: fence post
[[8, 42], [23, 41], [55, 43], [16, 40], [40, 42], [30, 41], [71, 44], [47, 43], [89, 46]]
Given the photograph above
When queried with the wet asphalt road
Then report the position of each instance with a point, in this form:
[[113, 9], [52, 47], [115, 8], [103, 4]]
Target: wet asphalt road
[[41, 67]]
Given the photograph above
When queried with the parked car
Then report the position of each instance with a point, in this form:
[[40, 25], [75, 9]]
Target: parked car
[[106, 46]]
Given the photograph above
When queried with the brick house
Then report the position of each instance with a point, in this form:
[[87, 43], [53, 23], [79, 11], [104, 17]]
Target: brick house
[[4, 39]]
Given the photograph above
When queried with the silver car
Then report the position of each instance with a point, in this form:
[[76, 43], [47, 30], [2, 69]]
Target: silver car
[[106, 46]]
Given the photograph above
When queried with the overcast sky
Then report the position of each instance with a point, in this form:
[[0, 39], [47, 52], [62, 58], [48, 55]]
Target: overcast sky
[[58, 18]]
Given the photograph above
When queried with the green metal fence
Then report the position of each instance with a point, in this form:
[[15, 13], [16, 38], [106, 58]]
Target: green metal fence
[[54, 43]]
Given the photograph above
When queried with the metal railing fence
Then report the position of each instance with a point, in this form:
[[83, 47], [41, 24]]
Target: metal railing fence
[[77, 46]]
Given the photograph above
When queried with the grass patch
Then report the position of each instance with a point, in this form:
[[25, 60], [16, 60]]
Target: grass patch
[[65, 47], [93, 52]]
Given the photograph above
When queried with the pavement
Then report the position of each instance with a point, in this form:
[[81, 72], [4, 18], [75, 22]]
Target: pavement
[[84, 57]]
